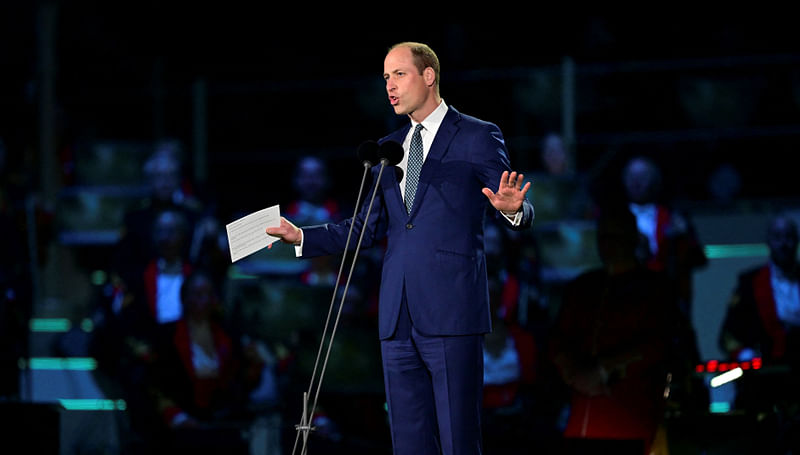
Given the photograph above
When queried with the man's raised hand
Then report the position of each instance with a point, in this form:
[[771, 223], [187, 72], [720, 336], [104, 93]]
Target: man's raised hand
[[510, 193]]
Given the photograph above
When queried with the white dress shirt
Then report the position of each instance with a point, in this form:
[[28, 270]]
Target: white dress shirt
[[647, 222], [787, 296]]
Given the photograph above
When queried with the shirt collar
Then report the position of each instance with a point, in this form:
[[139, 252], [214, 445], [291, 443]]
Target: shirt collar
[[434, 119]]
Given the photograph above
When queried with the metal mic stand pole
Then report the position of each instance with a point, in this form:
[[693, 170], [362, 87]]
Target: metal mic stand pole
[[305, 424]]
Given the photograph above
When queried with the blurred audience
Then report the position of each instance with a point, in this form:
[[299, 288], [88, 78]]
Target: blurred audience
[[610, 343], [162, 172], [763, 315], [668, 244], [203, 378], [762, 324], [561, 192], [170, 189], [132, 312], [164, 272], [510, 352], [614, 347], [314, 203], [763, 321]]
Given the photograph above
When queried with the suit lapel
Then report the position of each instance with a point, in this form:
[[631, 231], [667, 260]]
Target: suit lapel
[[439, 147]]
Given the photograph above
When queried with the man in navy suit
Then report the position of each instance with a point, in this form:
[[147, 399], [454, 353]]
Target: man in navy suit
[[434, 299]]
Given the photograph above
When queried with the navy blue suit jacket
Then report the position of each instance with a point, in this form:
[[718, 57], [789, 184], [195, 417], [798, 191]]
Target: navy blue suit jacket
[[436, 252]]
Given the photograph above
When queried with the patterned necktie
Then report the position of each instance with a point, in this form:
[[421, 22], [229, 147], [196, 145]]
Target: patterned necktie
[[414, 167]]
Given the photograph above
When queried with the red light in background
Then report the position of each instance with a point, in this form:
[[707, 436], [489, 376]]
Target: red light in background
[[712, 366]]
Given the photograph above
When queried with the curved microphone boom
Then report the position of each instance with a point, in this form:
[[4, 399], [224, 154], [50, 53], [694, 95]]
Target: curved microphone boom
[[369, 152]]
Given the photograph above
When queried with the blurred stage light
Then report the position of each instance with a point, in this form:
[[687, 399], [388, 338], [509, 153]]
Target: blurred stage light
[[726, 377]]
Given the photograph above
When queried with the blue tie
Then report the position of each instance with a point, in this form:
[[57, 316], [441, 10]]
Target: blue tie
[[414, 167]]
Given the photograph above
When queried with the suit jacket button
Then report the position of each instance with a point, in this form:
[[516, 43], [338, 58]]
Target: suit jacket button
[[409, 226]]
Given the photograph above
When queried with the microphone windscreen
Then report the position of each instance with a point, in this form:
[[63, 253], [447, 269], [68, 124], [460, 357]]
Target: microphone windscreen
[[392, 152], [368, 151]]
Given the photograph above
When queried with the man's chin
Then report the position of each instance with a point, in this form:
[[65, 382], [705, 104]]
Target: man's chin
[[399, 110]]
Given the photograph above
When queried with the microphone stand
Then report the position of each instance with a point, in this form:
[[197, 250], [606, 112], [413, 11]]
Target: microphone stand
[[305, 427]]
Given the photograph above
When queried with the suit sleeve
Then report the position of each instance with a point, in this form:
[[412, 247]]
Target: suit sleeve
[[490, 158], [331, 238]]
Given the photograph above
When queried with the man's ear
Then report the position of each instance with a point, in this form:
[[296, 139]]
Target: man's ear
[[430, 76]]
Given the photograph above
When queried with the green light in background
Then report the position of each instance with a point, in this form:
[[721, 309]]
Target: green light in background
[[62, 363], [98, 277], [57, 325], [50, 325], [92, 404], [235, 274], [743, 250], [719, 407]]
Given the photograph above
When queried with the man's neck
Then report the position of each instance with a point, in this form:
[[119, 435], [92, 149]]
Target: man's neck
[[421, 114]]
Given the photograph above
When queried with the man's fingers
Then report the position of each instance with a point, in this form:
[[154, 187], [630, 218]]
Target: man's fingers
[[526, 188], [503, 179], [488, 193]]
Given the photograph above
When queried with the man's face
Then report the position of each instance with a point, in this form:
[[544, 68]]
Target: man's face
[[407, 89], [310, 181], [168, 235], [639, 178], [782, 241]]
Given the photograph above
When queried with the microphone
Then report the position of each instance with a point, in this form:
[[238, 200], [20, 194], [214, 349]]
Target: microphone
[[390, 153], [368, 153]]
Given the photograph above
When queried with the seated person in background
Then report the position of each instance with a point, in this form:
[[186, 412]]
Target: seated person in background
[[202, 376], [125, 336], [313, 204], [561, 190], [164, 273], [669, 241], [763, 319], [162, 172], [609, 344], [668, 244]]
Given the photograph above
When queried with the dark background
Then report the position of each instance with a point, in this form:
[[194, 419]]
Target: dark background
[[694, 91], [685, 88]]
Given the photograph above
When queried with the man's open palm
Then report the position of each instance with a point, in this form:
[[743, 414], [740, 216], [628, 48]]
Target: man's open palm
[[510, 193]]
